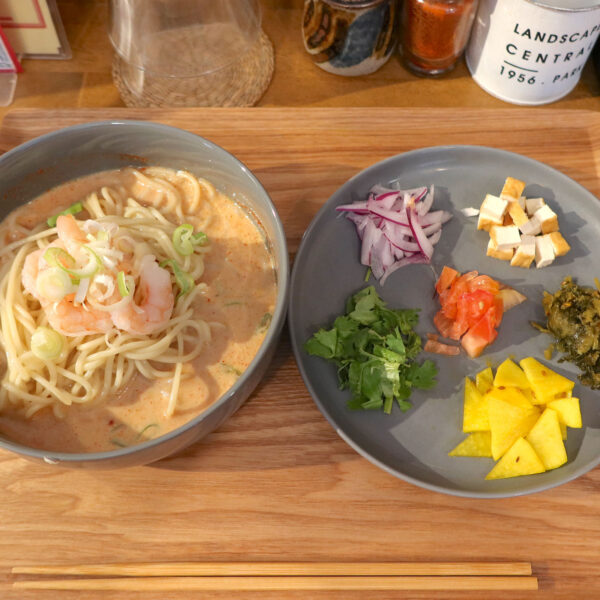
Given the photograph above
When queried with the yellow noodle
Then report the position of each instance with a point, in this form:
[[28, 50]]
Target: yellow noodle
[[93, 366]]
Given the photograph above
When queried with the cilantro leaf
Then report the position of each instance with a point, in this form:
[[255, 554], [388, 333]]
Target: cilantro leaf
[[374, 348]]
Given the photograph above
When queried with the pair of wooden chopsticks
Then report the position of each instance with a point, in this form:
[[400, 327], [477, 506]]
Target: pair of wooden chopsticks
[[263, 576]]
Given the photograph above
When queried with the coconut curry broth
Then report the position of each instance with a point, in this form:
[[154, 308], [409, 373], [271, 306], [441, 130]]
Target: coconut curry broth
[[238, 302]]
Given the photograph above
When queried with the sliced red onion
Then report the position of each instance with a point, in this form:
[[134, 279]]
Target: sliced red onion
[[380, 189], [370, 238], [429, 230], [417, 230], [437, 216], [356, 207], [396, 228], [409, 260], [425, 206]]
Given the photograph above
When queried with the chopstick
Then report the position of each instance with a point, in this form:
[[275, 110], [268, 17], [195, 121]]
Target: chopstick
[[263, 576], [174, 569], [263, 583]]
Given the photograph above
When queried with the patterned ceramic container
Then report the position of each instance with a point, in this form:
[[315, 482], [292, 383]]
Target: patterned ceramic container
[[349, 37]]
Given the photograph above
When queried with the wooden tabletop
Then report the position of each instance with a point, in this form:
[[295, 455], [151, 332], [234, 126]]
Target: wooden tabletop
[[275, 482], [85, 80]]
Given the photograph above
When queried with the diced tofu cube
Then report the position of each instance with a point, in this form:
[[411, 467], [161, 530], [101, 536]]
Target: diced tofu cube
[[559, 243], [544, 251], [525, 253], [513, 188], [505, 237], [522, 202], [531, 227], [547, 218], [491, 212], [517, 214], [533, 204], [493, 251]]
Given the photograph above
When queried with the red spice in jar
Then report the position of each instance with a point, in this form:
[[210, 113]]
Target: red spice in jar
[[435, 32]]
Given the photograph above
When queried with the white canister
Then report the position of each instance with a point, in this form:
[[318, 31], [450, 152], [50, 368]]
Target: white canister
[[531, 51]]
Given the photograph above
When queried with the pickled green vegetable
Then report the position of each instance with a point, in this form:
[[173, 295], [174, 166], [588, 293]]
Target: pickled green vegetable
[[573, 318]]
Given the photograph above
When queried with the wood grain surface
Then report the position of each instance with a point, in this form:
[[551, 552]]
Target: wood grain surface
[[275, 483]]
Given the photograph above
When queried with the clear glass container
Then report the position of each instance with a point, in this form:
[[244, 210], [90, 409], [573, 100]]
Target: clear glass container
[[187, 52]]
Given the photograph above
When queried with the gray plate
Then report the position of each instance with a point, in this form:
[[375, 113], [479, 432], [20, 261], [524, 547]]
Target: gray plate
[[414, 445]]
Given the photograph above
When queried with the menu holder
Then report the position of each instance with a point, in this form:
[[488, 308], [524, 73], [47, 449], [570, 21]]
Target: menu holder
[[34, 29], [9, 67]]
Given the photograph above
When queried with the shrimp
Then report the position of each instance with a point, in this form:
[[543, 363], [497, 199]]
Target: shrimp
[[31, 268], [65, 316], [73, 319], [71, 235], [156, 306]]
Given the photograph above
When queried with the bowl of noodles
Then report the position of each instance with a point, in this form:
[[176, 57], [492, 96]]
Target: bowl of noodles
[[143, 288]]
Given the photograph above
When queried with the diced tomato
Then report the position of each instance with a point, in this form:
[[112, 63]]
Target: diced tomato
[[471, 309], [499, 305], [473, 344], [442, 323], [480, 335], [449, 298], [484, 282], [477, 303], [486, 326], [439, 348], [461, 321], [446, 278]]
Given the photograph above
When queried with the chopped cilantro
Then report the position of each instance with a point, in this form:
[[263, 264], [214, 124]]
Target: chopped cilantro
[[374, 349]]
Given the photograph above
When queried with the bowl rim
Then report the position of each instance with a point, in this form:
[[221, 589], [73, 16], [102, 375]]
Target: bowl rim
[[277, 322]]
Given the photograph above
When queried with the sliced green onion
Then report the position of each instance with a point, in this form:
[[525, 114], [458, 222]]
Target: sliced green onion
[[184, 239], [124, 290], [54, 284], [46, 343], [57, 257], [72, 210], [184, 280]]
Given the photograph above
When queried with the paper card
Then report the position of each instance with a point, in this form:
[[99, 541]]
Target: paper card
[[34, 28], [8, 60]]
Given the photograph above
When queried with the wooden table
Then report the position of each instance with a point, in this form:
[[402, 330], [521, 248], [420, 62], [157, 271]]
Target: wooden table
[[275, 482]]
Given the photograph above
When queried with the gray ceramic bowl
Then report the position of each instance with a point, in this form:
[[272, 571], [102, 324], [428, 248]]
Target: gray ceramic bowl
[[55, 158]]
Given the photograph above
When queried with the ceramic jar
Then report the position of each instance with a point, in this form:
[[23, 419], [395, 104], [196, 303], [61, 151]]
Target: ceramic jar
[[349, 37]]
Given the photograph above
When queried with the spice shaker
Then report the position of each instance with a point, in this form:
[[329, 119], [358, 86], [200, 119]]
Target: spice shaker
[[435, 33], [349, 37]]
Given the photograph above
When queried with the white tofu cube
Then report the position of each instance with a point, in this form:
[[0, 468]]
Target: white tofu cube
[[523, 202], [547, 218], [533, 204], [560, 245], [517, 214], [505, 237], [495, 253], [525, 252], [491, 212], [531, 227], [544, 251], [512, 189]]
